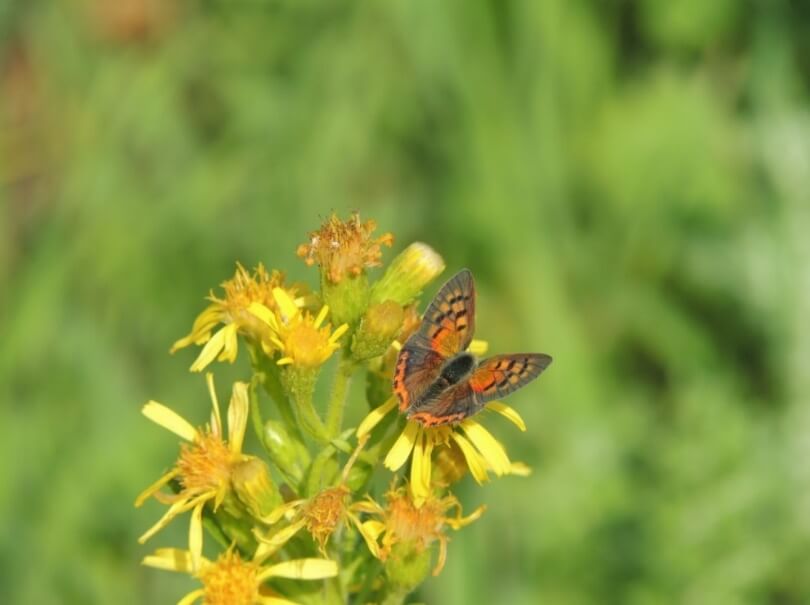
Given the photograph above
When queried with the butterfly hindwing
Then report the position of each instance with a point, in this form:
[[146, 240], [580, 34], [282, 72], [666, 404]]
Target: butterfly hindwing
[[417, 367], [449, 322], [452, 405], [500, 375]]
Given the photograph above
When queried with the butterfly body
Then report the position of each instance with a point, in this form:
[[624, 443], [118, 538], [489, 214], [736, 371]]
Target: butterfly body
[[436, 380]]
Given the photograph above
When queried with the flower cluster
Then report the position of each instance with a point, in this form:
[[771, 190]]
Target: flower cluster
[[299, 504]]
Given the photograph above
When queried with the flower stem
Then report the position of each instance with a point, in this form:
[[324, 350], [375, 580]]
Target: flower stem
[[337, 400]]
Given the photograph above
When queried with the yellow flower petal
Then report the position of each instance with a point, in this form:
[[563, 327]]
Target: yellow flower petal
[[265, 314], [201, 330], [191, 597], [490, 449], [170, 420], [370, 530], [402, 447], [175, 509], [321, 316], [460, 522], [375, 416], [237, 416], [301, 569], [397, 345], [285, 361], [285, 304], [281, 511], [195, 536], [520, 469], [209, 351], [216, 423], [507, 412], [340, 331], [145, 494], [475, 462], [420, 469], [230, 343], [478, 347], [170, 559], [270, 544]]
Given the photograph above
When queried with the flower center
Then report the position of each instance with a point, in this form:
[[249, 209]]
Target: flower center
[[205, 465], [324, 513], [408, 523], [231, 581], [306, 344]]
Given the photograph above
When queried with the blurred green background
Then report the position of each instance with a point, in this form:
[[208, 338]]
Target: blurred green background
[[628, 179]]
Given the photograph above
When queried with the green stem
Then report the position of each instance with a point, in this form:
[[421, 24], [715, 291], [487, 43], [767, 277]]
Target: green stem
[[255, 411], [272, 385], [310, 419], [395, 597], [337, 400]]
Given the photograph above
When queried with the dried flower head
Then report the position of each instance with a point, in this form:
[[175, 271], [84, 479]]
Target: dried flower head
[[404, 521], [344, 248]]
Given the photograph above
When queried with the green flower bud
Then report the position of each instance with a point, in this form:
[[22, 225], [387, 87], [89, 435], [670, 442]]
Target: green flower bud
[[254, 487], [286, 452], [407, 566], [413, 269], [347, 299], [378, 328]]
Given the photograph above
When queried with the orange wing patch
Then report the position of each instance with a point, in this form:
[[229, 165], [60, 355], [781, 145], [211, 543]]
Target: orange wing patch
[[498, 376], [399, 380]]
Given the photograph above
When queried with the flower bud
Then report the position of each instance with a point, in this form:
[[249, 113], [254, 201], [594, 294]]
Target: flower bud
[[286, 452], [347, 299], [378, 328], [254, 487], [413, 269], [407, 565]]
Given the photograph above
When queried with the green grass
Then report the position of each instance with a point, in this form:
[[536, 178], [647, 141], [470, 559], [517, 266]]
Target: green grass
[[627, 180]]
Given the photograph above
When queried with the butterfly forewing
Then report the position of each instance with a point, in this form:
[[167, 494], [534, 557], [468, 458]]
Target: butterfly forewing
[[449, 322], [500, 375]]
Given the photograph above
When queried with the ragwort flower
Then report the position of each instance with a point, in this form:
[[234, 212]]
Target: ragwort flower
[[413, 526], [302, 339], [232, 312], [204, 468], [231, 580], [344, 248]]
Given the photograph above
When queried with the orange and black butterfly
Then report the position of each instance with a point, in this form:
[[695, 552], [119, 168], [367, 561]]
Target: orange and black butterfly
[[436, 380]]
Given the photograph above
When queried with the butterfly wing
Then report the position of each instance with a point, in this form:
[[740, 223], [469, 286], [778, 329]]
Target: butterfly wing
[[449, 322], [500, 375], [417, 367], [452, 405]]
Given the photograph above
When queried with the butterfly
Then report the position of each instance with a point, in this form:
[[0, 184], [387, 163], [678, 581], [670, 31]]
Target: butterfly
[[436, 380]]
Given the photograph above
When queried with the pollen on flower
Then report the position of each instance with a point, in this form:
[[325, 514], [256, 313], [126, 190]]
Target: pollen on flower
[[324, 512], [344, 248], [308, 345], [205, 464], [231, 581]]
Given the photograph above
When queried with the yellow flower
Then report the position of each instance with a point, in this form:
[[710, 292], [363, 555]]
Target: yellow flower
[[404, 521], [303, 339], [205, 465], [344, 248], [241, 291], [230, 580]]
